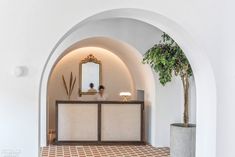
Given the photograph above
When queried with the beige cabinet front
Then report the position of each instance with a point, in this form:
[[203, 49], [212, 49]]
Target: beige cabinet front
[[99, 122], [121, 122], [77, 122]]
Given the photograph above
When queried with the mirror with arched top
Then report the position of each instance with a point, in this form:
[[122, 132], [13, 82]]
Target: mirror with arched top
[[90, 75]]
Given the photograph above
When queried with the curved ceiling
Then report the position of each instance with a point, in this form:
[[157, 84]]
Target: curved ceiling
[[120, 49]]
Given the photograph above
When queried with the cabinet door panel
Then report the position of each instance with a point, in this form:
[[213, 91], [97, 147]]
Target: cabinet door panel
[[77, 122], [121, 122]]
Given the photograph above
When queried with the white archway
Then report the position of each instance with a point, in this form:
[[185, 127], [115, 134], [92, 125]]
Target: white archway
[[204, 79]]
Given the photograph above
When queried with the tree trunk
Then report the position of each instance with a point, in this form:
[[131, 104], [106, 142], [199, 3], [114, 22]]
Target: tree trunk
[[185, 81]]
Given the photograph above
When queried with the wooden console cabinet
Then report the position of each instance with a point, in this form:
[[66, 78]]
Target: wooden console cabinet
[[99, 122]]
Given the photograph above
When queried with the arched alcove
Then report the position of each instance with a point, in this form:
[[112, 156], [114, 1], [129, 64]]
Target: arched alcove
[[112, 68], [204, 79], [141, 74]]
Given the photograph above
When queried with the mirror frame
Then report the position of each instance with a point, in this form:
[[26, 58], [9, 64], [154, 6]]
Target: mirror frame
[[89, 58]]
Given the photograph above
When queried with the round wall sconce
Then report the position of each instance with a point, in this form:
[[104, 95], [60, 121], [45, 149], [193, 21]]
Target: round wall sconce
[[19, 71]]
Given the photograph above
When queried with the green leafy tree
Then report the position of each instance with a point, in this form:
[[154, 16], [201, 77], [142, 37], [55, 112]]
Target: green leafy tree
[[168, 59]]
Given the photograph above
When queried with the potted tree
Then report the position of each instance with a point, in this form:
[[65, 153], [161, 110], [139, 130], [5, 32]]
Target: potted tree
[[168, 59]]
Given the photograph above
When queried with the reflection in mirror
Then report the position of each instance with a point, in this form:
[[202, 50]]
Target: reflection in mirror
[[90, 75]]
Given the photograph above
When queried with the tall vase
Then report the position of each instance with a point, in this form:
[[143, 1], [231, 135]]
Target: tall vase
[[182, 140]]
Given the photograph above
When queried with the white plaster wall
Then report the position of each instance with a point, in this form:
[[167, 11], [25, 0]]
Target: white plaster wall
[[30, 29], [115, 77], [224, 70]]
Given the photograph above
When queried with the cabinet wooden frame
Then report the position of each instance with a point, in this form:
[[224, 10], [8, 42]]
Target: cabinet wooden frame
[[99, 141]]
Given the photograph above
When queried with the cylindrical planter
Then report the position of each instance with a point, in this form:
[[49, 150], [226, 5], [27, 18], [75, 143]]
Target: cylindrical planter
[[182, 140]]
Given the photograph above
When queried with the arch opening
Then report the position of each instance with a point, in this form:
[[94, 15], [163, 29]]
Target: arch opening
[[206, 134]]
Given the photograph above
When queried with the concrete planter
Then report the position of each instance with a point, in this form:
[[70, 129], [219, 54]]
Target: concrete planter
[[182, 140]]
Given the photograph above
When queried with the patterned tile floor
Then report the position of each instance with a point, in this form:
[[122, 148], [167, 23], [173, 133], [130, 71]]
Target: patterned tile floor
[[104, 151]]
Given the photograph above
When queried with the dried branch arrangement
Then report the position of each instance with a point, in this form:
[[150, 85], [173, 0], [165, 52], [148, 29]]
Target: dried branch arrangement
[[69, 89]]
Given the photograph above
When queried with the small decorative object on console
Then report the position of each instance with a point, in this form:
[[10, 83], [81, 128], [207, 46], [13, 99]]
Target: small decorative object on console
[[125, 95]]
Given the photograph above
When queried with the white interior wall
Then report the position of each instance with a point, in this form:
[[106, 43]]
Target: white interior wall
[[115, 77], [35, 26], [225, 74]]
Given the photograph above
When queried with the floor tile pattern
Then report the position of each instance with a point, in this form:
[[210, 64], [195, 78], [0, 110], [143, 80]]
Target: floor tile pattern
[[104, 151]]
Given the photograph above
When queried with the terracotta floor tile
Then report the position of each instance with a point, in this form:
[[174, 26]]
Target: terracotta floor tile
[[104, 151]]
